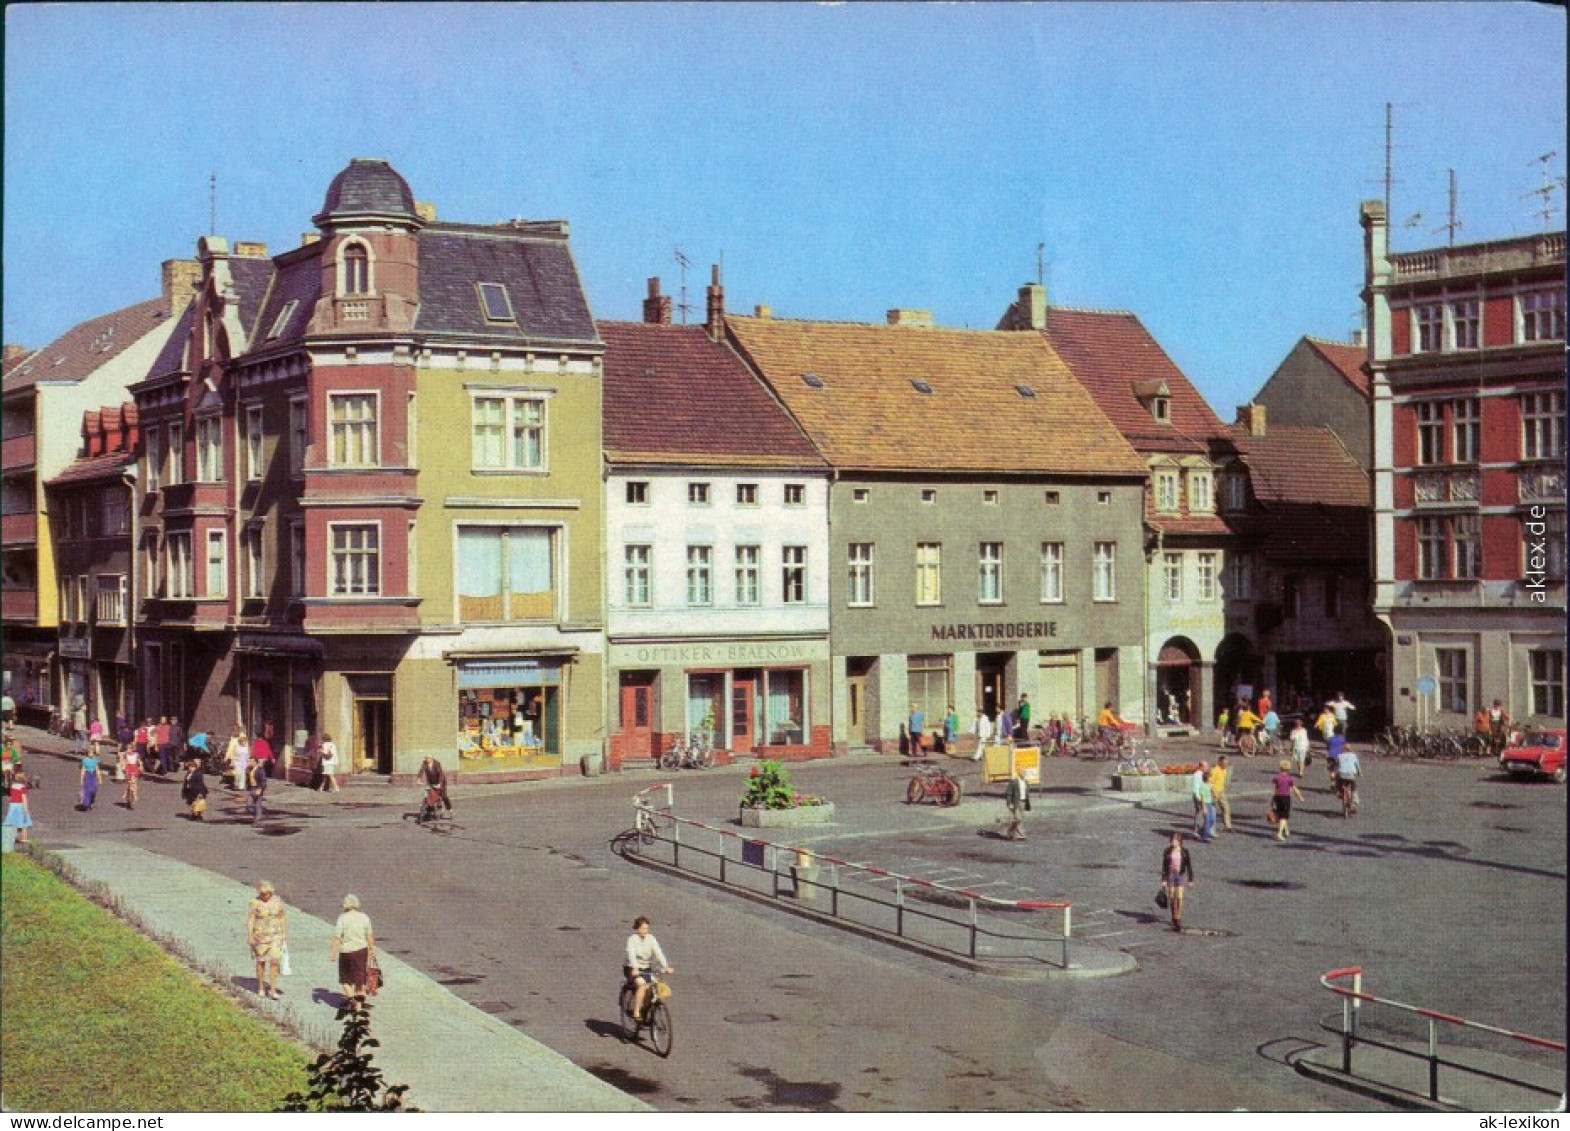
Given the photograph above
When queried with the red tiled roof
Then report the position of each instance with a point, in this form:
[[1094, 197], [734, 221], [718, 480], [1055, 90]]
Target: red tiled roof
[[1190, 524], [672, 395], [86, 346], [1112, 352], [868, 412], [1298, 464], [1346, 359], [88, 468]]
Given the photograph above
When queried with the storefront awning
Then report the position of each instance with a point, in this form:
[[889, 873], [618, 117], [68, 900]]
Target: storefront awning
[[509, 673]]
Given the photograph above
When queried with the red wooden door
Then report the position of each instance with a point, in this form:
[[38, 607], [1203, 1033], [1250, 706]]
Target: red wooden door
[[637, 719], [741, 717]]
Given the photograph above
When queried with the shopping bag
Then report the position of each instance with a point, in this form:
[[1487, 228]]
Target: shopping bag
[[1161, 897]]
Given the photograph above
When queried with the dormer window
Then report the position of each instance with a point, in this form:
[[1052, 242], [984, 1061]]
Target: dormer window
[[281, 323], [1161, 409], [1157, 397], [356, 263], [496, 302]]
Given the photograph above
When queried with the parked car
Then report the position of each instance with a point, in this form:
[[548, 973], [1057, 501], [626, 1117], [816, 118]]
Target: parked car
[[1540, 752]]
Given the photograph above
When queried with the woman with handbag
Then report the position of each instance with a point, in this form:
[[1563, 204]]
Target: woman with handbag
[[354, 946], [1177, 873]]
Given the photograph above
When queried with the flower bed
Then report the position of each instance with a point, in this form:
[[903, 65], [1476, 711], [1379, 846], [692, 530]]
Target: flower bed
[[769, 801]]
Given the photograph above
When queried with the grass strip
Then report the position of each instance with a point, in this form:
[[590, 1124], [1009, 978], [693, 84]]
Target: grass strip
[[95, 1017]]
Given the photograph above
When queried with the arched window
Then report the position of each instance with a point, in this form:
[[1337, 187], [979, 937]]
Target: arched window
[[356, 270]]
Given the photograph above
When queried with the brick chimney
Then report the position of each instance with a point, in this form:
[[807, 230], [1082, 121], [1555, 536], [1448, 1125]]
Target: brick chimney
[[250, 249], [15, 352], [715, 320], [131, 419], [1032, 307], [763, 312], [903, 316], [182, 278], [425, 210], [657, 307], [92, 432], [1252, 417]]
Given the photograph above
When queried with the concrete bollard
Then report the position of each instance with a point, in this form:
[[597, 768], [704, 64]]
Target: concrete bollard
[[804, 873]]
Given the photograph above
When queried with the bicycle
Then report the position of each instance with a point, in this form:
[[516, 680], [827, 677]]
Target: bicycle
[[934, 783], [1346, 791], [656, 1014], [430, 807], [695, 755], [1138, 766], [647, 825]]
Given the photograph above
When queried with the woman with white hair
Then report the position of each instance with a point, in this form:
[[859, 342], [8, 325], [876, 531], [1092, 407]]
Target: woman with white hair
[[354, 946], [267, 932]]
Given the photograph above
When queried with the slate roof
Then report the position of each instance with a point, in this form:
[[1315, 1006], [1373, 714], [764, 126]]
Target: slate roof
[[297, 277], [868, 414], [1346, 359], [251, 279], [90, 468], [1314, 500], [171, 358], [1111, 353], [87, 346], [537, 269], [674, 396], [367, 185]]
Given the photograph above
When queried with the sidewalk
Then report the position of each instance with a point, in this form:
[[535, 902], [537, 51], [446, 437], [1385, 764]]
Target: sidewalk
[[483, 1064]]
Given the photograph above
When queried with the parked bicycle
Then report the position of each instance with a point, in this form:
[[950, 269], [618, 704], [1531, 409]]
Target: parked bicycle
[[695, 754], [935, 784], [1138, 766], [656, 1019]]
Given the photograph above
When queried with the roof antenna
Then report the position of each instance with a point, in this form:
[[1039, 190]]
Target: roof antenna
[[1041, 270], [684, 306], [1551, 185], [1454, 224], [212, 204]]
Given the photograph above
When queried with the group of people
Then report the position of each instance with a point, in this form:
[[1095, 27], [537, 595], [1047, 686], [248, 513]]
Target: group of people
[[1493, 725], [1259, 720], [353, 946]]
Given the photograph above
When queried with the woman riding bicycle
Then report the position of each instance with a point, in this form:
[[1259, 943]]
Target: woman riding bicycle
[[643, 951]]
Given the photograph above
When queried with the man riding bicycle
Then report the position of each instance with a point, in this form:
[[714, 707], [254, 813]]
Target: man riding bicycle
[[1347, 771], [432, 776], [643, 950]]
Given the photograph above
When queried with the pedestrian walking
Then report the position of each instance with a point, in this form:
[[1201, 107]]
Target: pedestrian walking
[[984, 731], [79, 725], [1285, 786], [1333, 750], [1196, 780], [131, 773], [1340, 707], [1022, 719], [193, 790], [329, 765], [238, 757], [1224, 727], [176, 745], [1498, 728], [1177, 873], [262, 752], [1017, 797], [1299, 748], [1220, 778], [256, 790], [18, 816], [354, 946], [918, 725], [166, 752], [1207, 808], [91, 777], [951, 727], [267, 933], [143, 739]]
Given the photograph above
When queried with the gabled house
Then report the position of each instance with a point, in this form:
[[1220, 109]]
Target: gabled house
[[717, 605], [1322, 384], [984, 522]]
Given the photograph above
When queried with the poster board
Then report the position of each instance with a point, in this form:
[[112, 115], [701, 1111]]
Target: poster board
[[998, 762]]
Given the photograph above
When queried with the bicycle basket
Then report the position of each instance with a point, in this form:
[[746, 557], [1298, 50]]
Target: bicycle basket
[[662, 990]]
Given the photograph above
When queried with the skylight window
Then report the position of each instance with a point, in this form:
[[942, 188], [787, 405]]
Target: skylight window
[[1026, 391], [922, 387], [281, 323], [812, 380], [496, 303]]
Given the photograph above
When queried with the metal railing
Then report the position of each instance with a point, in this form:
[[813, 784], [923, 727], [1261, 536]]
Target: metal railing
[[861, 896], [1352, 1001]]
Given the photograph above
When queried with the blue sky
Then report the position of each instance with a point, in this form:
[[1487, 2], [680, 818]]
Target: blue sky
[[1200, 165]]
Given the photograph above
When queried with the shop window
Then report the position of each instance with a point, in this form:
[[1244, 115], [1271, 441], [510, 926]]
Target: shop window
[[929, 686], [506, 573], [705, 706], [785, 720]]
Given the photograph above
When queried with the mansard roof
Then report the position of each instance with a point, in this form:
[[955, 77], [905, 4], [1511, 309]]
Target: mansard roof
[[366, 188]]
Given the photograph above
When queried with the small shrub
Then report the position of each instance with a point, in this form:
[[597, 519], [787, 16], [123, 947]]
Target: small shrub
[[346, 1080], [768, 788]]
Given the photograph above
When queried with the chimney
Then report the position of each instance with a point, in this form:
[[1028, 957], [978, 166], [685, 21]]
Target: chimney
[[250, 249], [1032, 307], [657, 307], [902, 316], [92, 433], [763, 312], [182, 278], [715, 321], [15, 352], [114, 431], [131, 417], [425, 210], [308, 238], [1252, 417], [1357, 337]]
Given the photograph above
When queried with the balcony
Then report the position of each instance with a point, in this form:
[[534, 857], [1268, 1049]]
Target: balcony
[[1476, 259], [1544, 483], [1447, 488], [19, 451], [19, 604], [19, 529]]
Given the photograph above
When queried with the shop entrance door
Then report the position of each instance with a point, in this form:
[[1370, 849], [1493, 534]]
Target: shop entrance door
[[856, 731], [637, 715], [742, 716], [373, 734], [990, 687]]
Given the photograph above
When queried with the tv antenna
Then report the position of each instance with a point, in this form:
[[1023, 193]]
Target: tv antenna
[[1454, 224], [212, 204], [684, 306], [1551, 185]]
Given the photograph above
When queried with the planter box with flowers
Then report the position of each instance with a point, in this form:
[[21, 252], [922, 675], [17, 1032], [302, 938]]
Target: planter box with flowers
[[769, 802]]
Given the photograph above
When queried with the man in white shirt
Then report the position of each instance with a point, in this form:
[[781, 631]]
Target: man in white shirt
[[1196, 784]]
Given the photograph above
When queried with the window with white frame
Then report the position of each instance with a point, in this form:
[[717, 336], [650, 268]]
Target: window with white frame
[[352, 434], [860, 566], [1542, 316], [793, 575], [1431, 546], [1234, 484], [355, 562], [299, 435], [253, 441], [83, 610], [507, 573], [700, 575], [176, 446], [1205, 574], [795, 494], [1430, 432], [1201, 490], [179, 569], [67, 595], [117, 515], [637, 493], [746, 494], [412, 558], [1453, 689], [1240, 578], [153, 458], [989, 578], [1466, 430], [509, 432], [1543, 425], [251, 542], [929, 573], [150, 570], [698, 494], [209, 450], [114, 598], [1166, 490], [1428, 325], [637, 566], [749, 585], [297, 558], [1466, 323], [356, 270], [1104, 572], [1172, 578], [1051, 573], [217, 559], [1548, 682]]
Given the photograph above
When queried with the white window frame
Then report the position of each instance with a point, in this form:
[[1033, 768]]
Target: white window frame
[[152, 560], [1172, 577], [1543, 425], [989, 573], [299, 433], [795, 494], [1451, 666], [215, 566], [254, 581], [749, 574], [700, 575], [1201, 491], [1052, 573], [210, 449], [793, 575], [637, 493], [929, 574], [346, 287], [637, 575], [153, 457], [339, 558], [1540, 316], [1104, 572], [175, 450], [1546, 677], [179, 569], [113, 598], [698, 494], [513, 422], [1168, 497], [1207, 570], [252, 422], [353, 437], [746, 494], [860, 561]]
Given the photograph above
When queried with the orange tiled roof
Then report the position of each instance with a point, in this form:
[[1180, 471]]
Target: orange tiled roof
[[87, 346], [1111, 352], [1301, 464], [88, 468], [1346, 359], [868, 413]]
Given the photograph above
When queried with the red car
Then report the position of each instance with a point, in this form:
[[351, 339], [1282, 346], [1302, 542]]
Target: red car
[[1540, 752]]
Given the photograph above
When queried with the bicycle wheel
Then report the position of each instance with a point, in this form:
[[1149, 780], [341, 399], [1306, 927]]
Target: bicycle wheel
[[645, 828], [951, 793], [1247, 744], [704, 758], [629, 1026], [915, 791], [661, 1030]]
